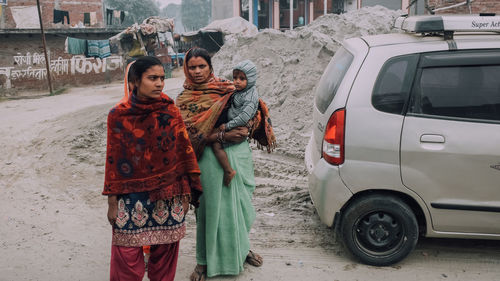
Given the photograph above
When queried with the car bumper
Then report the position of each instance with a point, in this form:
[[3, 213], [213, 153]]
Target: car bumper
[[327, 190]]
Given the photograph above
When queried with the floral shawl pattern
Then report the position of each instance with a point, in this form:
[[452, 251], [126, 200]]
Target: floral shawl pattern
[[201, 106], [261, 129]]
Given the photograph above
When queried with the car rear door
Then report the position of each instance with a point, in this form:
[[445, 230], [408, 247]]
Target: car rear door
[[450, 142]]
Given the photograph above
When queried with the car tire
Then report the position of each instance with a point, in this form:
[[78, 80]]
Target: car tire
[[379, 229]]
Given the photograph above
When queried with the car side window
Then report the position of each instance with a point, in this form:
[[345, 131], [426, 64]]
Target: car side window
[[394, 83], [467, 91]]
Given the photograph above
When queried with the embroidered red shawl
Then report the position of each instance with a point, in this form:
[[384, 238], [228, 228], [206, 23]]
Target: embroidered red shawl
[[148, 149], [201, 106]]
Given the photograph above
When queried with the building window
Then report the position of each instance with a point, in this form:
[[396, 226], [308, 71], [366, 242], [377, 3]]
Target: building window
[[285, 4], [244, 9]]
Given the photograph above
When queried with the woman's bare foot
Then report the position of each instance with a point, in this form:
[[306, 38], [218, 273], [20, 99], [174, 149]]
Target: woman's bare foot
[[228, 176], [254, 259], [199, 273]]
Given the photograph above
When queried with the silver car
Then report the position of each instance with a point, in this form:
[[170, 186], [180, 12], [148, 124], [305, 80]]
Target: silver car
[[406, 136]]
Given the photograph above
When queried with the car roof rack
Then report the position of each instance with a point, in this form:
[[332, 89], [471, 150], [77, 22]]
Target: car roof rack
[[448, 24]]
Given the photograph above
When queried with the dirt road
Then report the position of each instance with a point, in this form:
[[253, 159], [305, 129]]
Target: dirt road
[[53, 219]]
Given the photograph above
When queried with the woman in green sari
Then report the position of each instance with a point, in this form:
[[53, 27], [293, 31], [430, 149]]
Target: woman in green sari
[[226, 213]]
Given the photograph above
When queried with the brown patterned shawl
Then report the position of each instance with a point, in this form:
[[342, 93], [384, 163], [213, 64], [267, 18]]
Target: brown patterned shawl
[[201, 106], [261, 129]]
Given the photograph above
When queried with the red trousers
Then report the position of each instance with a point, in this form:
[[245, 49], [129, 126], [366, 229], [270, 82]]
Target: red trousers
[[127, 263]]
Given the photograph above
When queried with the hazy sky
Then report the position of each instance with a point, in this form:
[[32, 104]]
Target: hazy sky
[[164, 3]]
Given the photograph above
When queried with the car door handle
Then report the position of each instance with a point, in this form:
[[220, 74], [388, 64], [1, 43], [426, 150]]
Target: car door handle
[[432, 138]]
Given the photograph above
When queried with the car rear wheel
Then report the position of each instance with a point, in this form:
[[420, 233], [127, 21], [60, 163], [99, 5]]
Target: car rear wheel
[[379, 229]]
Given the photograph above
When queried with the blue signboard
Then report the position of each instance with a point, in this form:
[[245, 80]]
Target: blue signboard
[[174, 56]]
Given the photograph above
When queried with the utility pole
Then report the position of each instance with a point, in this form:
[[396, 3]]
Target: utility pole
[[47, 63], [250, 11]]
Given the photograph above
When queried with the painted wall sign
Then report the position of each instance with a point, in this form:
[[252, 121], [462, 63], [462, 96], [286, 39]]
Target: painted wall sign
[[32, 66]]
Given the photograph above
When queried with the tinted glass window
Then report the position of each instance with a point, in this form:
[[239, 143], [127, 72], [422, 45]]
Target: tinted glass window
[[471, 92], [285, 4], [393, 84], [331, 78]]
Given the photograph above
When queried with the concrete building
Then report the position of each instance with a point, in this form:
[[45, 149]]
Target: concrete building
[[460, 6], [277, 13]]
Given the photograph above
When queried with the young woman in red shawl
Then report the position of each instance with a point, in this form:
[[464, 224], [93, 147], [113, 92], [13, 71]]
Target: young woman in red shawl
[[151, 176], [226, 213]]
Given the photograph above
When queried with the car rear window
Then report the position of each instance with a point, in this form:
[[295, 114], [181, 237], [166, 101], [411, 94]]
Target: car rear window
[[471, 92], [331, 78]]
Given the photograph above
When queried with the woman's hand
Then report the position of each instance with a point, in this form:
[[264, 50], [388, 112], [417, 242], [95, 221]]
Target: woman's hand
[[236, 135], [185, 204], [112, 209]]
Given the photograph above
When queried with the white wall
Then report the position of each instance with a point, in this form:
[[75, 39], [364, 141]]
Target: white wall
[[222, 9], [350, 5]]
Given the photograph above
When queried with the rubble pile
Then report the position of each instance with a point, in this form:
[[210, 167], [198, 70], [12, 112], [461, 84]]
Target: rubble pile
[[290, 64]]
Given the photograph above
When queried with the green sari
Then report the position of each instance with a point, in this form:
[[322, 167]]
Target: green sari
[[226, 214]]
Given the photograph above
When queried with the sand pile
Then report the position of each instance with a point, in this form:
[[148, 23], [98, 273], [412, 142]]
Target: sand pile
[[290, 64]]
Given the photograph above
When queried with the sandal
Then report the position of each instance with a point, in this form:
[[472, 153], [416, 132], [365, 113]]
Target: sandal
[[254, 259], [199, 273]]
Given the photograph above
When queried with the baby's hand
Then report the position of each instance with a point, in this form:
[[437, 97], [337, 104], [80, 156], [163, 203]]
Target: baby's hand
[[222, 127]]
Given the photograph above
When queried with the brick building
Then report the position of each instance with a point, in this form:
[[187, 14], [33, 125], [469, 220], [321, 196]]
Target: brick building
[[22, 60], [23, 13], [476, 6]]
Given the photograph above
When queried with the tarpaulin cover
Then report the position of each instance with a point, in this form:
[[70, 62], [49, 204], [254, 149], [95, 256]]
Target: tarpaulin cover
[[25, 16], [234, 25]]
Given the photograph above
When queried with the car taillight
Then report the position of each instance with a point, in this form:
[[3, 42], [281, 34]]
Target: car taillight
[[333, 142]]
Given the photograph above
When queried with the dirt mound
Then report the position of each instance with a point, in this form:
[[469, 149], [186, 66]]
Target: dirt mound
[[290, 64], [90, 145]]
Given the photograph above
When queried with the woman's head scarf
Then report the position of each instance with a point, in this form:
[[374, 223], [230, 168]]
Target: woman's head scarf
[[201, 105], [148, 150], [127, 91]]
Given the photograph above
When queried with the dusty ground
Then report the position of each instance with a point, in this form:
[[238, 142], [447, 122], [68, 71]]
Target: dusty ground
[[53, 219]]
